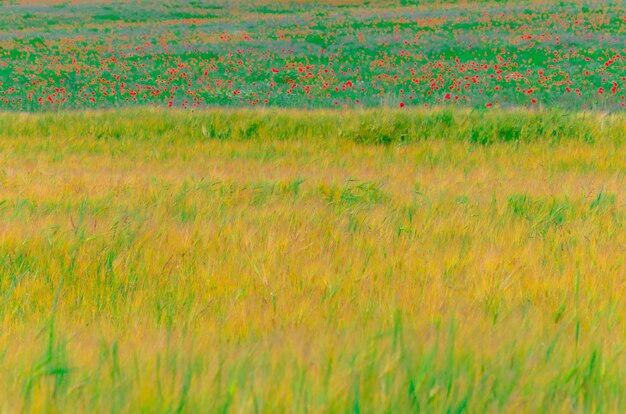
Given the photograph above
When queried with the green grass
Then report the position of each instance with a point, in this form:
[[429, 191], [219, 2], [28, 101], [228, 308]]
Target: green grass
[[383, 126]]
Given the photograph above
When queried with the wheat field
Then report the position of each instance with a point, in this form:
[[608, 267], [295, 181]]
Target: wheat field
[[284, 261]]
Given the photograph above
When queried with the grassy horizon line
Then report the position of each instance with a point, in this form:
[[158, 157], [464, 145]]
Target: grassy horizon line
[[368, 126]]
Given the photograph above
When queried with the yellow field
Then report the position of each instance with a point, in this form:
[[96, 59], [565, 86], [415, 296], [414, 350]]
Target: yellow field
[[202, 262]]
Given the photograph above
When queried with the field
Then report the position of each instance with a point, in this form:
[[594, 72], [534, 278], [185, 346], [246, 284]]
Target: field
[[149, 266], [312, 54], [256, 206]]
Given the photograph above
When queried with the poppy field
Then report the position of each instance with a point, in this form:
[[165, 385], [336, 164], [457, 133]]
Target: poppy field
[[330, 206], [190, 54]]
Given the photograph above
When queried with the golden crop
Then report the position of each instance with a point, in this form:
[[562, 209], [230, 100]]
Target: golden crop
[[238, 261]]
